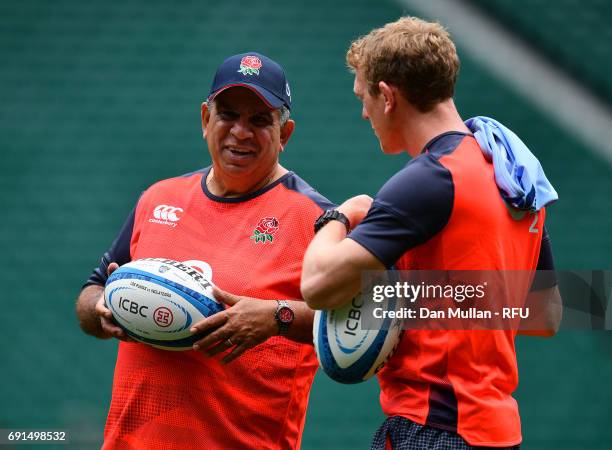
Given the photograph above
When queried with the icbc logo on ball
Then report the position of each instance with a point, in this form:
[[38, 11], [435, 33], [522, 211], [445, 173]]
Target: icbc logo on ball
[[162, 316], [132, 307]]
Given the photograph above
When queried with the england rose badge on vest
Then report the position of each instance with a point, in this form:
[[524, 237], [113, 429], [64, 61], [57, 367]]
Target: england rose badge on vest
[[265, 230]]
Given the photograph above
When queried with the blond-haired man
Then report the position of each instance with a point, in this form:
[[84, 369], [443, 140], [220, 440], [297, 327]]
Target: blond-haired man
[[443, 211]]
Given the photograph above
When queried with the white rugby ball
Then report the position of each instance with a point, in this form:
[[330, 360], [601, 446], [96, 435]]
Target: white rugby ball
[[157, 300], [346, 352]]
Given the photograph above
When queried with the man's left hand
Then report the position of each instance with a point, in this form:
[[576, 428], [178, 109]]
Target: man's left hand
[[246, 323]]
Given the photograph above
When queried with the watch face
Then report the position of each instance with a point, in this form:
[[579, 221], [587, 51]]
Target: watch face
[[285, 315]]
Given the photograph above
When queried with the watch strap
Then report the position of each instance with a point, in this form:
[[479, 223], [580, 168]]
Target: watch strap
[[329, 215], [283, 324]]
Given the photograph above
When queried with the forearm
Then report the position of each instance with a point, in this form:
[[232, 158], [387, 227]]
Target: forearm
[[319, 257], [85, 310], [330, 276]]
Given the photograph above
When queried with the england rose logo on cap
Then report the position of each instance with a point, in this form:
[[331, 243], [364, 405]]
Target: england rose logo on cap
[[250, 65], [258, 73]]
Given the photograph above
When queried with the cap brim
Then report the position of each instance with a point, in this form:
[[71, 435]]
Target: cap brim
[[271, 100]]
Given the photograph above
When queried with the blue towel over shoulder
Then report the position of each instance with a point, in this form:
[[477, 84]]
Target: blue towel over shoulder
[[518, 173]]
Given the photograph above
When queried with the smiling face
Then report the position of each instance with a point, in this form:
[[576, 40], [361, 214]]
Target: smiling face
[[244, 137]]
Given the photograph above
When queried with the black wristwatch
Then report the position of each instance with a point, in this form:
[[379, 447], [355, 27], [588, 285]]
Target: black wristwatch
[[284, 316], [331, 214]]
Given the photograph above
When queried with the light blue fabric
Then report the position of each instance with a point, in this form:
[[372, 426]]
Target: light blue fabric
[[518, 173]]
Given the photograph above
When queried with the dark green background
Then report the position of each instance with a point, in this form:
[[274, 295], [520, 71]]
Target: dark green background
[[99, 100]]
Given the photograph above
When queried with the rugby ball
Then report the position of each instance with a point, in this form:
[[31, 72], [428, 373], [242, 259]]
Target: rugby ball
[[157, 300], [346, 352]]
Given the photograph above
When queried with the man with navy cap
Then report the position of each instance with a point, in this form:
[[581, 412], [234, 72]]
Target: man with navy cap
[[250, 219]]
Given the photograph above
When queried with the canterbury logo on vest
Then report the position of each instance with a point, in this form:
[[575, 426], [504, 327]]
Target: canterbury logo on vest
[[166, 215]]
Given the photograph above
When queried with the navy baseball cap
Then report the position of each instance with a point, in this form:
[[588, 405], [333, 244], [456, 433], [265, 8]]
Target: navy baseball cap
[[256, 72]]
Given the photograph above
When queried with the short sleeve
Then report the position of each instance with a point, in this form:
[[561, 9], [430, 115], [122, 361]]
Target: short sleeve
[[545, 276], [118, 252], [413, 206]]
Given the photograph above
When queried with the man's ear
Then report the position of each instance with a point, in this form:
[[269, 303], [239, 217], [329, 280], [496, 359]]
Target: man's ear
[[286, 132], [389, 94], [205, 118]]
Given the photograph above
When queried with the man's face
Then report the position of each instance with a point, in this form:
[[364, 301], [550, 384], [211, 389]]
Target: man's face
[[244, 136], [373, 109]]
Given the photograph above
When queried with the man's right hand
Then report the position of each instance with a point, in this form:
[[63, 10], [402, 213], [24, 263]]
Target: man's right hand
[[109, 327], [95, 318]]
